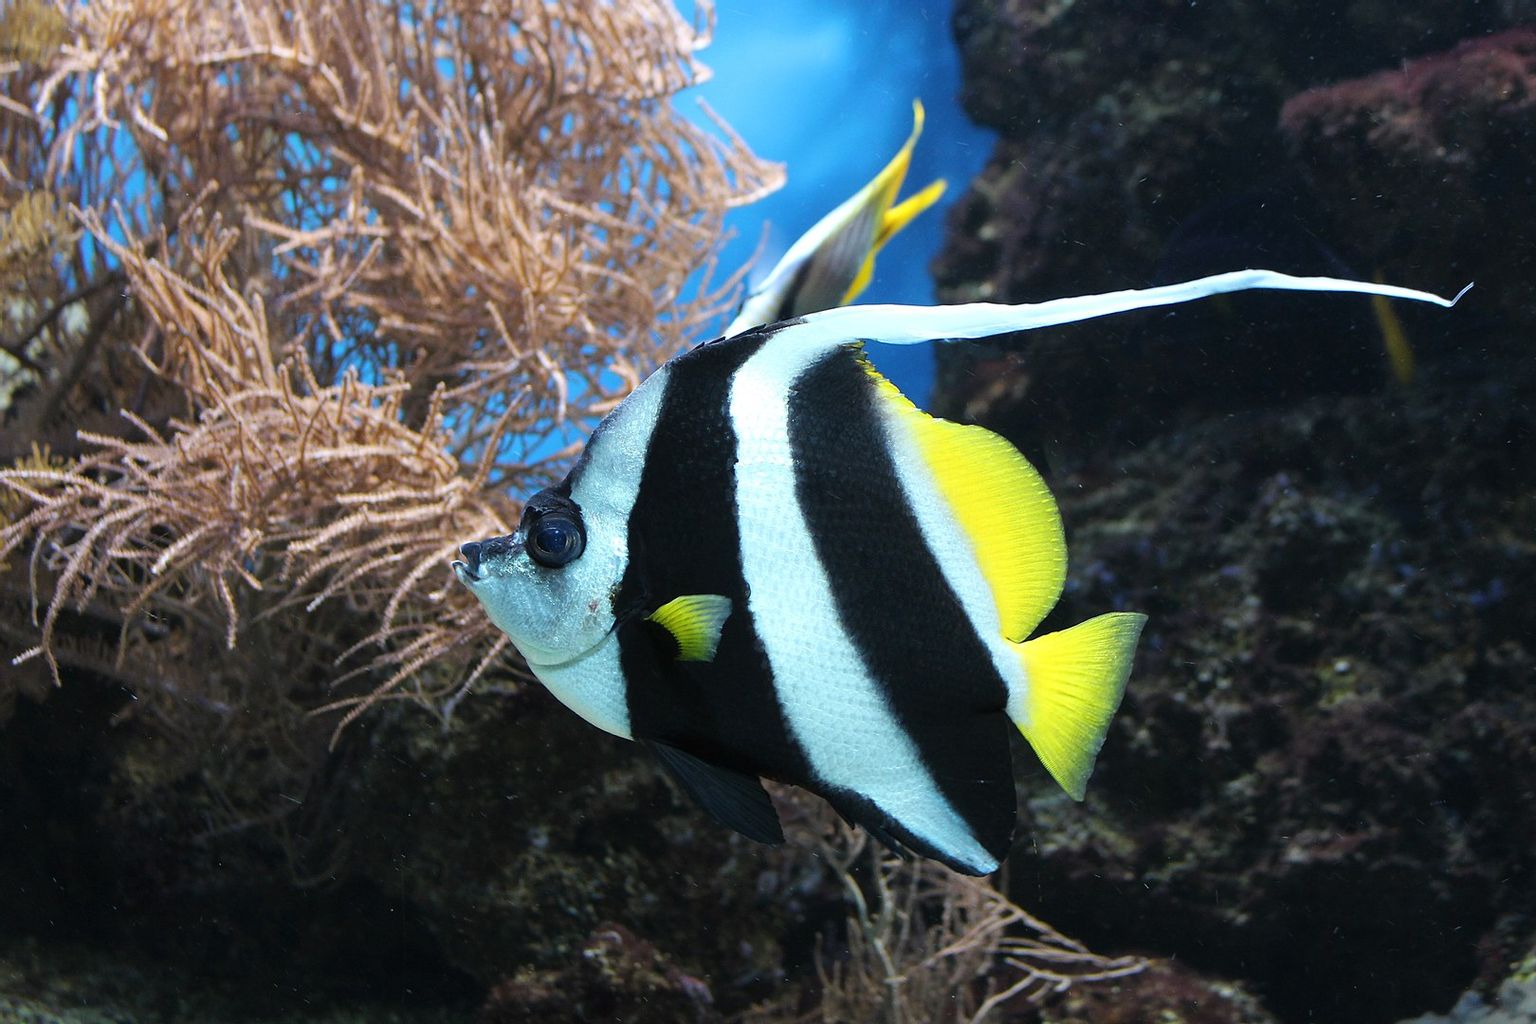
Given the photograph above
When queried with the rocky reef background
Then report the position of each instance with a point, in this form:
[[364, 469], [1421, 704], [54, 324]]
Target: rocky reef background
[[1323, 779], [1319, 799]]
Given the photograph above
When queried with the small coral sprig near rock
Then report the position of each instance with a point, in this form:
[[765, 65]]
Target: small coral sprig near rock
[[923, 942]]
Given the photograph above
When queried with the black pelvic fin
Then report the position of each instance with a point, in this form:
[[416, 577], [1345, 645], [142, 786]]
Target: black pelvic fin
[[735, 800], [862, 814], [887, 840]]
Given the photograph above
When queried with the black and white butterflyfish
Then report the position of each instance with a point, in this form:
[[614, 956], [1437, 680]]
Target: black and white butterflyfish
[[768, 563]]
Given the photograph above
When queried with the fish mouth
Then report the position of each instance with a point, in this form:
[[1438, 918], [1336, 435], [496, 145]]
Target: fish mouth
[[480, 559], [467, 566]]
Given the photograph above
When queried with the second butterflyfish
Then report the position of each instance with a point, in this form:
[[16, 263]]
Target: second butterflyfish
[[768, 563], [832, 263]]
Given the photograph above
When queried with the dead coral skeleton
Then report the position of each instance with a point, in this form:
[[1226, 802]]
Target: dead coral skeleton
[[923, 943], [354, 275], [300, 294]]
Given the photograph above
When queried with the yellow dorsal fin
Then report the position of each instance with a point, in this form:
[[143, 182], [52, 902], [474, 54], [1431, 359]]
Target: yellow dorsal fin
[[1001, 504], [695, 621], [1076, 678], [889, 180]]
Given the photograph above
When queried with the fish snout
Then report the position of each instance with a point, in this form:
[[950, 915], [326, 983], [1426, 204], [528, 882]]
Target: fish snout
[[476, 554], [470, 552]]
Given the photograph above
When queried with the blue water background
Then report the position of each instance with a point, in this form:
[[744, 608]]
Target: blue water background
[[826, 87]]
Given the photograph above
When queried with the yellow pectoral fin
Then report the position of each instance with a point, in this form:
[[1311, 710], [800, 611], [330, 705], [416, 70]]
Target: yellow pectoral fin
[[695, 622], [1075, 680]]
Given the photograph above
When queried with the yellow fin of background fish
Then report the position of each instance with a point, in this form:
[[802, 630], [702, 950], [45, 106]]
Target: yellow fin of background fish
[[1002, 505], [896, 218], [881, 194], [1393, 337], [832, 262], [900, 215], [1076, 678], [695, 621]]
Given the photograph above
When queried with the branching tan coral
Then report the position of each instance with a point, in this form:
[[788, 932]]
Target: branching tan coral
[[492, 197], [30, 30], [34, 229], [926, 945], [313, 292]]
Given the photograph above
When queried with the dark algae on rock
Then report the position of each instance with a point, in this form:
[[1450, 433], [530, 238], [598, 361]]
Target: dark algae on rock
[[1430, 163], [1323, 780], [1141, 143], [617, 977]]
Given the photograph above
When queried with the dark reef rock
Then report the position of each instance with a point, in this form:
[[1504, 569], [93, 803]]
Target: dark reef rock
[[66, 983], [1432, 164], [1119, 121], [1514, 1002], [1322, 782], [433, 863], [518, 831], [1031, 61], [1323, 779], [1143, 143], [1165, 992], [617, 977]]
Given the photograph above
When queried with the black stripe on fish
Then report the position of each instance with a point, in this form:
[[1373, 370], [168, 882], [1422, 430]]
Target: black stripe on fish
[[684, 539], [900, 611], [786, 307], [823, 277], [833, 269]]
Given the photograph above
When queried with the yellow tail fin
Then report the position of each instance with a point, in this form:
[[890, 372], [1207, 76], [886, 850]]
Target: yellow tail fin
[[1076, 678]]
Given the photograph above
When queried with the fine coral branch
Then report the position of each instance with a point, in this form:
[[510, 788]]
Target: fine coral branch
[[553, 184]]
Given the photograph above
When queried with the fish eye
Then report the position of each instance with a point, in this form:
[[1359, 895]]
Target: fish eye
[[556, 539]]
